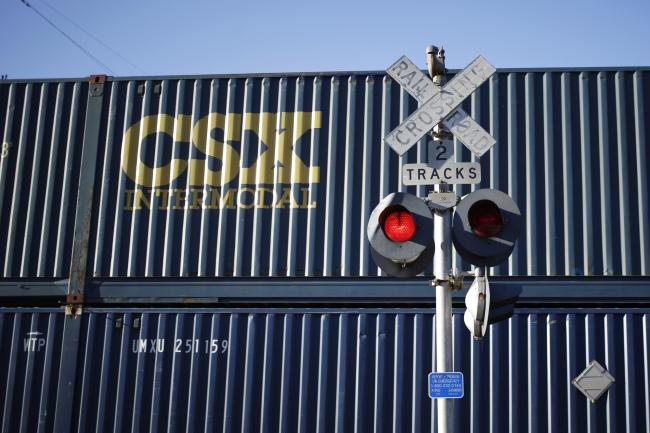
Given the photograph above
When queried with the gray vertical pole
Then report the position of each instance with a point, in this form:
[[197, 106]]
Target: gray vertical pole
[[80, 241], [442, 266], [441, 269], [65, 397]]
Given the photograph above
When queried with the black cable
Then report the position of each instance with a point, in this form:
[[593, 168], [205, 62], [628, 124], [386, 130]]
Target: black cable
[[68, 37], [93, 36]]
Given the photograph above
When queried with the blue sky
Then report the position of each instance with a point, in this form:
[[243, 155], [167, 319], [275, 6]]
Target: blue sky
[[222, 37]]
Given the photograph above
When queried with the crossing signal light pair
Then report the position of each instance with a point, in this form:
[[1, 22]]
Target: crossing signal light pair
[[485, 228]]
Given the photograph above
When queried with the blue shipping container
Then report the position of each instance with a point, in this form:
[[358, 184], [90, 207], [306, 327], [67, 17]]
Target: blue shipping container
[[325, 370]]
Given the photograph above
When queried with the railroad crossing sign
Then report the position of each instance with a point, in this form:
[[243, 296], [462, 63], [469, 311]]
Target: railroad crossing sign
[[440, 105]]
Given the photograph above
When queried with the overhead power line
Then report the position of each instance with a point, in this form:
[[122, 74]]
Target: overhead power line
[[88, 53], [99, 41]]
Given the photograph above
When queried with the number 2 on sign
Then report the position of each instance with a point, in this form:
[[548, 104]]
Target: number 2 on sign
[[440, 151], [440, 156]]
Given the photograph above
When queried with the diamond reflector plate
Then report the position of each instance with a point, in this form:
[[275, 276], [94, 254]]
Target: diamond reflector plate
[[593, 381]]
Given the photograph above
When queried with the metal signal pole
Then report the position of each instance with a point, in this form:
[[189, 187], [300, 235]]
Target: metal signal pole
[[442, 258]]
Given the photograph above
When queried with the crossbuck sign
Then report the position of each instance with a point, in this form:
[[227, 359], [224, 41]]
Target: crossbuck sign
[[438, 105]]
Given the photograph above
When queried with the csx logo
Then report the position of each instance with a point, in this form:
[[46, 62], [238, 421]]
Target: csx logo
[[277, 162]]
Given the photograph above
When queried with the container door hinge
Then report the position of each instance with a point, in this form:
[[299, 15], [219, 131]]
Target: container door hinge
[[96, 83]]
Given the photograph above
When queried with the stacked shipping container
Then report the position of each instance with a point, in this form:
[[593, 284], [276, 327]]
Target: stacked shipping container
[[197, 188]]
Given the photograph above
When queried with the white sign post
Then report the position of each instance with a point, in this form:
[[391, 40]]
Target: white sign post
[[441, 106]]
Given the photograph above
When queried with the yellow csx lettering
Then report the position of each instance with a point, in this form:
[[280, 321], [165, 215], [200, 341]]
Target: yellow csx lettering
[[277, 158]]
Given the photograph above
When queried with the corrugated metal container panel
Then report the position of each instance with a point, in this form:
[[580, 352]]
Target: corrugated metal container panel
[[42, 127], [326, 370], [303, 164], [29, 367], [277, 175]]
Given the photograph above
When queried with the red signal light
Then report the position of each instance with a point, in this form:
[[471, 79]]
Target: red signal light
[[485, 219], [399, 225]]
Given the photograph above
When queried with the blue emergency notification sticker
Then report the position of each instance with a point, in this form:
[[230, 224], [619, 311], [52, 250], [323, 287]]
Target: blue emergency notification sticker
[[446, 385]]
